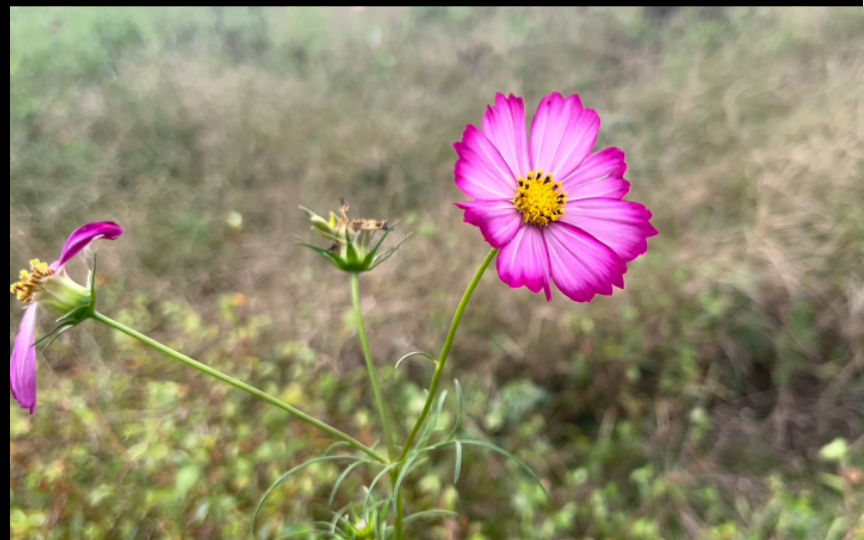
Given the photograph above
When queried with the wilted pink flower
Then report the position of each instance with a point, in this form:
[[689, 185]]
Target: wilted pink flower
[[553, 208], [50, 287]]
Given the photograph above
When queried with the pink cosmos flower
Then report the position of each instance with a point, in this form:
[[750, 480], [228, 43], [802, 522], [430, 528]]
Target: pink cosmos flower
[[554, 208], [50, 287]]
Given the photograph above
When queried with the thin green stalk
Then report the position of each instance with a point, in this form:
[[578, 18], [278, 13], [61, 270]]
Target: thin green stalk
[[303, 417], [400, 517], [376, 389], [445, 352], [436, 380], [370, 366]]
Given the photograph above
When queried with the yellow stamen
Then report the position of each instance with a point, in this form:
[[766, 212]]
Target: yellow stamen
[[540, 199], [31, 282]]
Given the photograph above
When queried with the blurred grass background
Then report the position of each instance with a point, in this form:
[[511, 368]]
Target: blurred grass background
[[694, 405]]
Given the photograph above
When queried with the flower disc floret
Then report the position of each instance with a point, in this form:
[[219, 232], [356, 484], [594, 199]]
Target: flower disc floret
[[540, 199], [31, 283]]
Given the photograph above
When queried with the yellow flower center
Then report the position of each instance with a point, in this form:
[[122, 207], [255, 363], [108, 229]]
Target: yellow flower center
[[31, 282], [540, 199]]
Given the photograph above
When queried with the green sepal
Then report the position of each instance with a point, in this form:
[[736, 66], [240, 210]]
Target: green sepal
[[353, 258]]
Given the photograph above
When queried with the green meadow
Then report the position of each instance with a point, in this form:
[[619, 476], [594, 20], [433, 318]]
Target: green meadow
[[720, 396]]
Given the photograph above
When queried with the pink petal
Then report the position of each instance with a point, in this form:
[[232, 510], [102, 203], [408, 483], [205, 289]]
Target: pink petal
[[581, 266], [497, 220], [600, 175], [622, 225], [563, 133], [504, 126], [22, 365], [524, 262], [83, 237], [481, 172]]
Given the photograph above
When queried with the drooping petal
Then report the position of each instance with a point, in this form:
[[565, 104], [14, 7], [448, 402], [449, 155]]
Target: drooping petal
[[563, 133], [600, 175], [22, 365], [498, 220], [83, 237], [481, 172], [524, 262], [581, 266], [504, 126], [621, 225]]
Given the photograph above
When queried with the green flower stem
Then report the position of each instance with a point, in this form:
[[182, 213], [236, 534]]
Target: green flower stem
[[376, 389], [436, 379], [400, 518], [370, 365], [445, 352], [303, 417]]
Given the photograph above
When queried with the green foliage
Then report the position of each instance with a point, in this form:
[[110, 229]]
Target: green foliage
[[707, 401]]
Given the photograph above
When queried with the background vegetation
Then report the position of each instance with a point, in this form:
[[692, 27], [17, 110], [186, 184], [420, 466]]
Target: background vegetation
[[719, 397]]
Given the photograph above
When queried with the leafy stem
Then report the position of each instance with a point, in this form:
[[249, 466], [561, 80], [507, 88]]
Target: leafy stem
[[433, 389], [296, 413], [445, 352]]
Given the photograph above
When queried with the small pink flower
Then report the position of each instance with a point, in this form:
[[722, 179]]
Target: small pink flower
[[49, 286], [554, 209]]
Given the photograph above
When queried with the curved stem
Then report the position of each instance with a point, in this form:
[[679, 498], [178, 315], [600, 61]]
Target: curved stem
[[370, 366], [300, 415], [445, 352], [436, 381]]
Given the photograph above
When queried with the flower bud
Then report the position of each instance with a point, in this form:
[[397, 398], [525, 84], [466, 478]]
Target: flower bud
[[364, 528]]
